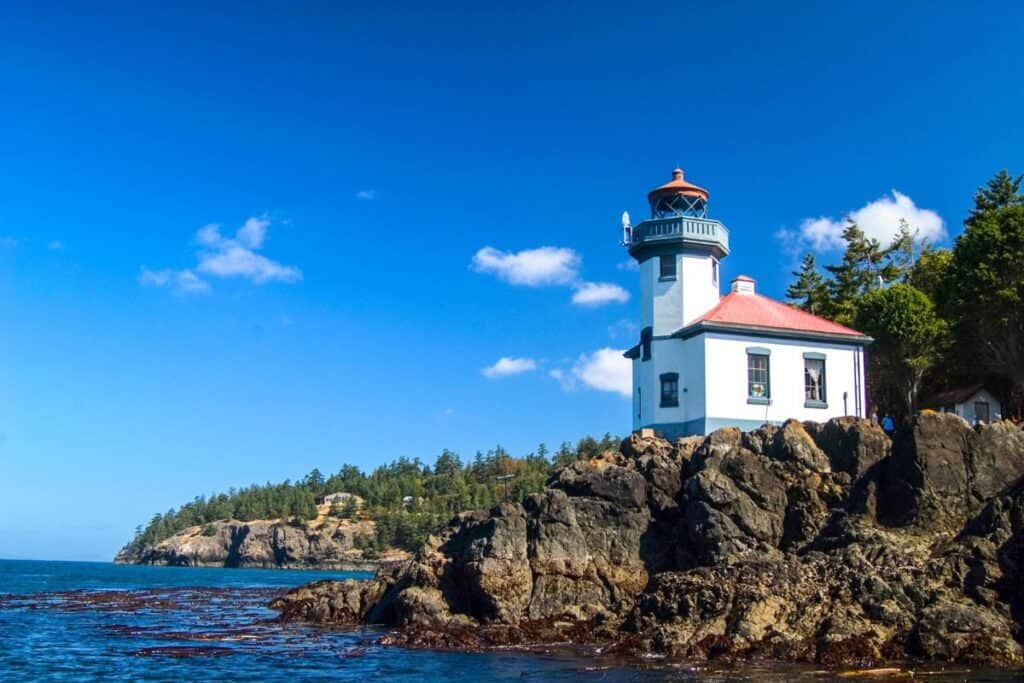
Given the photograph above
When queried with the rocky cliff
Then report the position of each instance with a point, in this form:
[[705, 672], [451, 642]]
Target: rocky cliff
[[805, 542], [326, 543]]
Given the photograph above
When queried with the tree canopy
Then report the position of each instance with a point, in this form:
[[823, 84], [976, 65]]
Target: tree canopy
[[908, 339], [984, 289], [407, 499], [1000, 191]]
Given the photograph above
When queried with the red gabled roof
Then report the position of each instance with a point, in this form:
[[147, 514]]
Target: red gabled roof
[[754, 310]]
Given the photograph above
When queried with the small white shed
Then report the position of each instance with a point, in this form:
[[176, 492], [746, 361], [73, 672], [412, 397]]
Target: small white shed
[[974, 404]]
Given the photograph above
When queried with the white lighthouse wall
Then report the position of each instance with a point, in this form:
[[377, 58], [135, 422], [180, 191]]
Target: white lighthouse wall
[[667, 305], [726, 364], [683, 357], [700, 290], [662, 299]]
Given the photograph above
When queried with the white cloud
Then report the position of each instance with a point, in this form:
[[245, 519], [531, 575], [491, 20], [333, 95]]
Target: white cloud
[[368, 195], [506, 366], [628, 264], [548, 266], [209, 236], [226, 257], [238, 258], [55, 245], [253, 232], [566, 379], [604, 370], [187, 281], [181, 281], [530, 267], [235, 260], [879, 219], [155, 278], [598, 294]]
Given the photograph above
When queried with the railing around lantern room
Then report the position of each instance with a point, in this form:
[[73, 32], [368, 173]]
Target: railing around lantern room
[[702, 230]]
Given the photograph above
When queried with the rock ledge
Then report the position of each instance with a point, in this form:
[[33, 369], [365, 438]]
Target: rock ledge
[[818, 543]]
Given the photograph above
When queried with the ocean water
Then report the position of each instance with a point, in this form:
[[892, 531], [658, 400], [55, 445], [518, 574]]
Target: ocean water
[[80, 621]]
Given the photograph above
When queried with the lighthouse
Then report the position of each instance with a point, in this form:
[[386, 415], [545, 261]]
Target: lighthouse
[[679, 250], [704, 360]]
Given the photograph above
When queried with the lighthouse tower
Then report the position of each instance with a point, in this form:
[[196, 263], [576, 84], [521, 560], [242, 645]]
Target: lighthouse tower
[[678, 249]]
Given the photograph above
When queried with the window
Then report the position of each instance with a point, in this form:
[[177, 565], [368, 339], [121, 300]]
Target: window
[[670, 390], [814, 380], [981, 411], [667, 267], [645, 343], [714, 272], [758, 375]]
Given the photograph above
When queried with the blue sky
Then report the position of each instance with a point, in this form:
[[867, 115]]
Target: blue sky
[[240, 242]]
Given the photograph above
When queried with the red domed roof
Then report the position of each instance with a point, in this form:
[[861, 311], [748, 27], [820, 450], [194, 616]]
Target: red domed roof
[[677, 186]]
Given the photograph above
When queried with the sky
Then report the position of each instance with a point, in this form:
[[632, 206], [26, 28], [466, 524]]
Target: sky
[[238, 242]]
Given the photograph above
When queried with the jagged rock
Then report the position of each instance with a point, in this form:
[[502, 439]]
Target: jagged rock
[[852, 445], [793, 443], [605, 480], [661, 464], [996, 460], [857, 449], [331, 602], [757, 544], [735, 503], [926, 482]]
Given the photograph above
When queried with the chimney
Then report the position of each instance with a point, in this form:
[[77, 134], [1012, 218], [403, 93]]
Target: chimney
[[743, 284]]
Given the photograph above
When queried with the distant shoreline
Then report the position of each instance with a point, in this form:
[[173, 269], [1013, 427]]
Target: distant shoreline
[[364, 566]]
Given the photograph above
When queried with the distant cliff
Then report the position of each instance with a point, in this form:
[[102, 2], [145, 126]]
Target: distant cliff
[[324, 543]]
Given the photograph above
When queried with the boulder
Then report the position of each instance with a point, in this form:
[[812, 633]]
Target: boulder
[[925, 482]]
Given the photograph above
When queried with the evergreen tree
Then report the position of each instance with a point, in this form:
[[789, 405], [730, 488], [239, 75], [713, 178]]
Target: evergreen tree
[[864, 267], [984, 292], [1000, 191], [929, 271], [810, 290], [902, 249]]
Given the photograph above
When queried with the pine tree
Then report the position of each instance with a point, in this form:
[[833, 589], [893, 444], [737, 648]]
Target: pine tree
[[863, 268], [1001, 190], [810, 290], [901, 253]]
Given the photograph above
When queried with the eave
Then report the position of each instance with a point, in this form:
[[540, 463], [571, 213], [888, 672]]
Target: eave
[[777, 332]]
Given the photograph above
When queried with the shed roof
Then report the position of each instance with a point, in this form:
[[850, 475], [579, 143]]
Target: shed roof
[[952, 396]]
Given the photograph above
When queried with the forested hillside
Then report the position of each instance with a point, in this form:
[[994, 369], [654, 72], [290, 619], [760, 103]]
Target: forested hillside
[[406, 499]]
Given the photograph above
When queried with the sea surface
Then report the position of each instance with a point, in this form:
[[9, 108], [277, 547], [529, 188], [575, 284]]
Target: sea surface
[[83, 621]]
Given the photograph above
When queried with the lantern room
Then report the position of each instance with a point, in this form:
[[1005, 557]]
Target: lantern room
[[678, 198]]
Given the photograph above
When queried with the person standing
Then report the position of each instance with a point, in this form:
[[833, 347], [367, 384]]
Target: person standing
[[888, 425]]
